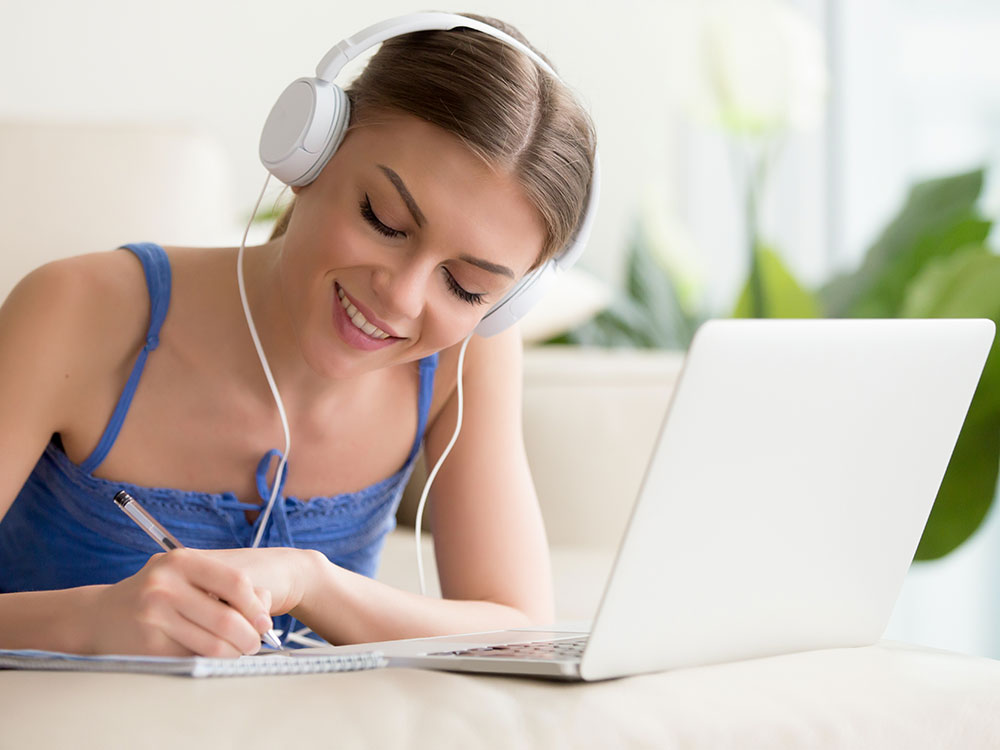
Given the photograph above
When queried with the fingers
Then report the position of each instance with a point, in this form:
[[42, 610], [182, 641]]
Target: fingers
[[185, 637], [210, 627], [204, 605], [229, 584]]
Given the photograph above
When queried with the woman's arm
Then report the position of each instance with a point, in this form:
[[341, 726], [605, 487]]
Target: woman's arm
[[39, 334], [488, 535], [172, 607], [489, 539], [38, 337], [60, 343]]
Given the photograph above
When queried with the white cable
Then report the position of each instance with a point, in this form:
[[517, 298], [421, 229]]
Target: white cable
[[301, 637], [267, 372], [434, 471]]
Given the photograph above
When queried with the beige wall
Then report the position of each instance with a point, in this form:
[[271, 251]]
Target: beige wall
[[220, 65]]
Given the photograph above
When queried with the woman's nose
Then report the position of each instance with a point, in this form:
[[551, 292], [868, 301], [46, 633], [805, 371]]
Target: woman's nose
[[403, 289]]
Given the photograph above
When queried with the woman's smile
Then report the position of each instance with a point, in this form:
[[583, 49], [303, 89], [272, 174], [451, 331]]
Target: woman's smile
[[356, 328]]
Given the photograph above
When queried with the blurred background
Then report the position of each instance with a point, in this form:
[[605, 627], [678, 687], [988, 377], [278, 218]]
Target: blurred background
[[760, 157]]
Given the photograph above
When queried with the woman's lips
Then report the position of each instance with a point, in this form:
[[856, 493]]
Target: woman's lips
[[369, 315], [353, 335]]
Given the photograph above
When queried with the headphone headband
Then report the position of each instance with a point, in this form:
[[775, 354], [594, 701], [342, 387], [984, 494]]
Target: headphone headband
[[311, 117], [343, 52]]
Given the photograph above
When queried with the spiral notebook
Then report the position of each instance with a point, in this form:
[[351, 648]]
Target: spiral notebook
[[274, 663]]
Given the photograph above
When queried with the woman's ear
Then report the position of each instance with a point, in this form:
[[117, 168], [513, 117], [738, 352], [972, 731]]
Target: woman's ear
[[295, 189]]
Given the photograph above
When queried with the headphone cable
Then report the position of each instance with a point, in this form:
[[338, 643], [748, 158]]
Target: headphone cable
[[434, 471], [279, 474]]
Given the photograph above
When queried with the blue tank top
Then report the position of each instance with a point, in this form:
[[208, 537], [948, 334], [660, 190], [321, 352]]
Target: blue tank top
[[64, 530]]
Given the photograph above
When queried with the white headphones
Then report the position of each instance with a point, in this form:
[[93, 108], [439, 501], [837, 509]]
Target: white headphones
[[310, 118]]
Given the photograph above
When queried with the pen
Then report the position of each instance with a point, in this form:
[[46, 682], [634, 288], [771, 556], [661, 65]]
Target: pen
[[131, 507]]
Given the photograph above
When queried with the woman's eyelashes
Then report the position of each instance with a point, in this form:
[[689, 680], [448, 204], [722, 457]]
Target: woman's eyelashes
[[473, 298], [369, 215]]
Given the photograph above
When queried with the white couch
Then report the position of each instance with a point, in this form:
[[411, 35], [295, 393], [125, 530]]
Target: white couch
[[590, 419]]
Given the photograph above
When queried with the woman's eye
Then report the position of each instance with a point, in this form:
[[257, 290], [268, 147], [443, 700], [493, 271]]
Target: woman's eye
[[369, 215], [473, 298]]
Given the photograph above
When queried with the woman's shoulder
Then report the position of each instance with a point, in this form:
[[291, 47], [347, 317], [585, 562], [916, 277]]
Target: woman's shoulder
[[79, 278], [98, 300], [69, 324], [502, 350], [489, 362]]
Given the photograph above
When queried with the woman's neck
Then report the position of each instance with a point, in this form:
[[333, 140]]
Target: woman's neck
[[298, 383]]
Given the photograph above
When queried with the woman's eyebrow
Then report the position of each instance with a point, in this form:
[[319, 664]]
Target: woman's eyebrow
[[411, 204], [487, 265]]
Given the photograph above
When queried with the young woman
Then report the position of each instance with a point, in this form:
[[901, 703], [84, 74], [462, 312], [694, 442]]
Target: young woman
[[465, 166]]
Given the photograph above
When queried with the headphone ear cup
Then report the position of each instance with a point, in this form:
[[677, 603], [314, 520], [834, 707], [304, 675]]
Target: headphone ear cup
[[304, 128], [519, 300]]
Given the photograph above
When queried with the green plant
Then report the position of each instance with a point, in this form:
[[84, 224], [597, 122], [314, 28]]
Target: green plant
[[931, 261], [648, 312]]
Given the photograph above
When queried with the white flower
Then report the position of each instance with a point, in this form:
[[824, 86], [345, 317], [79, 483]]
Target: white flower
[[759, 68]]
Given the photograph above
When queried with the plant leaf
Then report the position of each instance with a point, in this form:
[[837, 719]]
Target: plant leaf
[[966, 285], [938, 216], [649, 285], [647, 313], [784, 297], [621, 324], [966, 492]]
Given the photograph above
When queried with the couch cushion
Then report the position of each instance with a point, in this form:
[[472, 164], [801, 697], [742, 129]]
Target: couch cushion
[[889, 697], [74, 187]]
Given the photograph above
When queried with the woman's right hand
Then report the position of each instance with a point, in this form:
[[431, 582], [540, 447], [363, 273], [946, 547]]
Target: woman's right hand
[[181, 603]]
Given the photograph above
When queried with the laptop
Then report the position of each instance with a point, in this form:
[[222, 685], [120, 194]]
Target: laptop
[[782, 505]]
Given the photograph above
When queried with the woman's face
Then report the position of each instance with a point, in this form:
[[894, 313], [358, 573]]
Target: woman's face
[[400, 246]]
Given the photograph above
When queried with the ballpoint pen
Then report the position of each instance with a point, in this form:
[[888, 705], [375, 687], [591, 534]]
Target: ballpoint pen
[[131, 507]]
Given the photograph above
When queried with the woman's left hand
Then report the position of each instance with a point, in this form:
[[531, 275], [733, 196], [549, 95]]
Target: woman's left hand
[[286, 572]]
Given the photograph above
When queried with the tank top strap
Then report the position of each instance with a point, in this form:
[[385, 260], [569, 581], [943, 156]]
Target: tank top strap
[[156, 266], [428, 365]]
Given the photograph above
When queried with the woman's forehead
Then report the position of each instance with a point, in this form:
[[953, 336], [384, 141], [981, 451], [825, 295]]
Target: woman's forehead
[[445, 185]]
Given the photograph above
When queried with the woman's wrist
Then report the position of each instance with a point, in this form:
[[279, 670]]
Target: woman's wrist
[[88, 632], [313, 570]]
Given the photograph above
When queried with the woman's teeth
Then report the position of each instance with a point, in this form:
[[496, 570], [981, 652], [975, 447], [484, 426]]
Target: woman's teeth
[[358, 319]]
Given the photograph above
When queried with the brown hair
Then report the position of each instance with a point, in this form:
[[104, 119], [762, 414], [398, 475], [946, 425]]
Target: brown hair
[[500, 103]]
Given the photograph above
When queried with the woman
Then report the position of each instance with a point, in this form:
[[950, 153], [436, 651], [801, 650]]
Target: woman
[[465, 166]]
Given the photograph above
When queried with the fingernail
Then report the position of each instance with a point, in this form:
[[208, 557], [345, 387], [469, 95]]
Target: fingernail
[[262, 623]]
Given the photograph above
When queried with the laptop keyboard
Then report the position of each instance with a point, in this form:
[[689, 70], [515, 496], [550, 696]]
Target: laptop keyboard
[[564, 649]]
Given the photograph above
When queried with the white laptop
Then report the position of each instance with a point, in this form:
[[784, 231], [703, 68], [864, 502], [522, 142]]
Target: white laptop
[[781, 508]]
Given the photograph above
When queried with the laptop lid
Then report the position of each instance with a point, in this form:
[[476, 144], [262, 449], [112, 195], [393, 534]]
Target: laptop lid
[[787, 490]]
